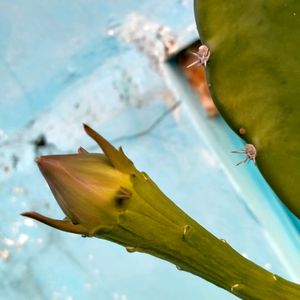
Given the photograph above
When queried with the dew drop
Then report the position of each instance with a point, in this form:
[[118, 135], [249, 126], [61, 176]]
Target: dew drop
[[131, 249], [145, 176], [187, 231], [234, 287]]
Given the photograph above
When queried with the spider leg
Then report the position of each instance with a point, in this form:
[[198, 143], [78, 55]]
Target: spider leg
[[243, 161], [238, 151], [195, 54], [193, 64]]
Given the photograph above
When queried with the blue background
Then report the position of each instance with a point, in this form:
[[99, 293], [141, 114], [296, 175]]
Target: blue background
[[105, 63]]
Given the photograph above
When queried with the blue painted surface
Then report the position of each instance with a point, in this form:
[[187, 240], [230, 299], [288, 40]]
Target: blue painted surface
[[64, 63]]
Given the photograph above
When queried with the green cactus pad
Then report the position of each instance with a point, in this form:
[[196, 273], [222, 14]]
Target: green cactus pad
[[254, 72]]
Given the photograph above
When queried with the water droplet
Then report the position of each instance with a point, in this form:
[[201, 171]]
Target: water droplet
[[234, 287], [179, 268], [224, 241], [187, 230], [131, 249], [145, 176], [274, 277], [81, 150]]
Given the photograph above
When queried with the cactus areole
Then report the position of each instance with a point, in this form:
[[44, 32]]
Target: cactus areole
[[105, 196], [254, 74]]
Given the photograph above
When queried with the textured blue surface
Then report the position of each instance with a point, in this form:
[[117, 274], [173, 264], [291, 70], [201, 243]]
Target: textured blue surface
[[103, 63]]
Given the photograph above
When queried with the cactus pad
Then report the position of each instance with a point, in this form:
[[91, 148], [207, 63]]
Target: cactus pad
[[254, 72]]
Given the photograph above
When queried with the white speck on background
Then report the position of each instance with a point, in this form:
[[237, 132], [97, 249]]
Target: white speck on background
[[29, 222], [4, 254], [23, 238], [8, 242]]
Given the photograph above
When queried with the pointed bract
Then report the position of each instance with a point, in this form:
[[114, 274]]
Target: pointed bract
[[117, 158], [63, 225]]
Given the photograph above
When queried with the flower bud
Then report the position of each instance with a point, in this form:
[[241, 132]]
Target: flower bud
[[90, 188]]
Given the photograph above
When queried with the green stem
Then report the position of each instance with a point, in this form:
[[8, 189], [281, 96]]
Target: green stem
[[141, 218], [153, 224]]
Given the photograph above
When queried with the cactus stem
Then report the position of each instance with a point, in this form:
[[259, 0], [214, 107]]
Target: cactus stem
[[149, 222]]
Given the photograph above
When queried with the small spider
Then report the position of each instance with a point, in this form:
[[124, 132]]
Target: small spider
[[202, 56], [250, 152]]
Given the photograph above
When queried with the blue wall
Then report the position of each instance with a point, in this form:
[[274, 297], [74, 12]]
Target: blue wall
[[105, 63]]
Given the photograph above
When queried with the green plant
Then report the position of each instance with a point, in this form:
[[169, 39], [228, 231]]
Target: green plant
[[254, 73], [105, 196]]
